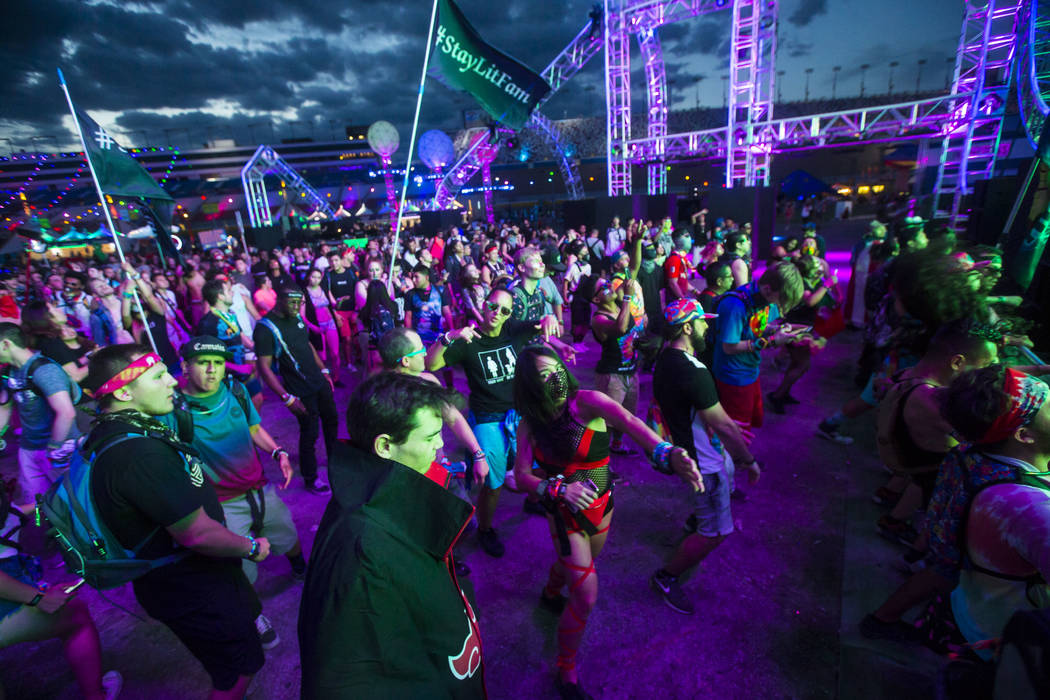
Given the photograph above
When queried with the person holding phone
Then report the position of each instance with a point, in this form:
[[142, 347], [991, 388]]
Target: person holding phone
[[32, 611], [567, 432]]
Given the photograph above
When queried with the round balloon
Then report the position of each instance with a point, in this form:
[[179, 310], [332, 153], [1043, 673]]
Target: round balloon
[[383, 138], [436, 149]]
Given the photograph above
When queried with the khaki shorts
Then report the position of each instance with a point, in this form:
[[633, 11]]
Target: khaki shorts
[[277, 524]]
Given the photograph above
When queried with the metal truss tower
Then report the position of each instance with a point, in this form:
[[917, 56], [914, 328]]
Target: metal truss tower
[[265, 162], [617, 97], [752, 53], [656, 82], [983, 66]]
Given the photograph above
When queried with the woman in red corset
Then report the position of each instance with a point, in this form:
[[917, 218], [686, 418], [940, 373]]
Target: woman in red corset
[[566, 431]]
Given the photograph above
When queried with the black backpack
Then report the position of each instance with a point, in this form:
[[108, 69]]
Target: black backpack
[[1023, 669]]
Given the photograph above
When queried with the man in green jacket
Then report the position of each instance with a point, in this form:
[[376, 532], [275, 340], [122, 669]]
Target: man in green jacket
[[382, 614]]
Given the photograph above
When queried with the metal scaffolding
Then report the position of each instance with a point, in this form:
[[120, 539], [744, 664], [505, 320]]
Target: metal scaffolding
[[752, 54], [265, 162], [983, 65]]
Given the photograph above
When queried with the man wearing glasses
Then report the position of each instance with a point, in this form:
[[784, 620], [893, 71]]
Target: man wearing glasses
[[488, 356]]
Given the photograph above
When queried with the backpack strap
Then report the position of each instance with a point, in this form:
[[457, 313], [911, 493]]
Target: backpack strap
[[282, 347]]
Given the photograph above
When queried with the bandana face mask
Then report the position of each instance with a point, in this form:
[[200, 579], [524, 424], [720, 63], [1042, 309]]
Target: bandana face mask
[[558, 384]]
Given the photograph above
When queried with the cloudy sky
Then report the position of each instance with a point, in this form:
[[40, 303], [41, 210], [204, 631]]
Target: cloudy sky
[[185, 71]]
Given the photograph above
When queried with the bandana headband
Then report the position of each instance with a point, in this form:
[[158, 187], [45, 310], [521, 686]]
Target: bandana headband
[[1027, 395], [129, 374]]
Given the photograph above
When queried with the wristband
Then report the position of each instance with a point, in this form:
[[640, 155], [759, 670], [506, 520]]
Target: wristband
[[36, 599], [289, 399], [254, 550], [661, 457], [277, 452], [326, 371], [760, 343], [445, 340], [478, 455]]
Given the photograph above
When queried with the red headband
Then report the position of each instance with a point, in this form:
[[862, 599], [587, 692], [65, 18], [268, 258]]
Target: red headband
[[1027, 395], [129, 374]]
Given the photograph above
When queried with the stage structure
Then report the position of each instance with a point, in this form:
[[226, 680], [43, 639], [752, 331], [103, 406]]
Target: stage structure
[[966, 123], [265, 162]]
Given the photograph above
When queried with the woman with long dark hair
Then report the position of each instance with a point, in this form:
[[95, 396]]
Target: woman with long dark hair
[[566, 430], [323, 324], [376, 317], [48, 330]]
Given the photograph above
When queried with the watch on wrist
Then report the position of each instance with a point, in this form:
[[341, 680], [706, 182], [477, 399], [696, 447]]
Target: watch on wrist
[[445, 339]]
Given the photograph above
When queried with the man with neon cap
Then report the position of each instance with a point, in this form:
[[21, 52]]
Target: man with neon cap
[[685, 394], [990, 510], [151, 491]]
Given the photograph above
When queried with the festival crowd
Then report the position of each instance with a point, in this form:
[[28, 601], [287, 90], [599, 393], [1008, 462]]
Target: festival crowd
[[152, 372]]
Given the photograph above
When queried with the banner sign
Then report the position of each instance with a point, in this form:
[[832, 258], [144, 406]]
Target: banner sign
[[507, 89]]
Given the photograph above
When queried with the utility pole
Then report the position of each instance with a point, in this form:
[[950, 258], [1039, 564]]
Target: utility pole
[[863, 69], [809, 72], [834, 79], [893, 64], [918, 75]]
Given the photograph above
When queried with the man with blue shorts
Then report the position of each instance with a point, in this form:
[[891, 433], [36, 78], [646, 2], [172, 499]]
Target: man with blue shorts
[[488, 356], [684, 391]]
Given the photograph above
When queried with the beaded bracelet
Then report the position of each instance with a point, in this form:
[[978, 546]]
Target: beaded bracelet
[[661, 457]]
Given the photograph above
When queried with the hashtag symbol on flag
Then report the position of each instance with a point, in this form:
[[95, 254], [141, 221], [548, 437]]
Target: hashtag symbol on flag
[[104, 139]]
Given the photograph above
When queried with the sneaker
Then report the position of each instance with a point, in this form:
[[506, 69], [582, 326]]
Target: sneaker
[[112, 683], [830, 431], [317, 487], [668, 587], [886, 497], [555, 605], [533, 507], [571, 691], [776, 403], [267, 634], [489, 541], [897, 530], [872, 627]]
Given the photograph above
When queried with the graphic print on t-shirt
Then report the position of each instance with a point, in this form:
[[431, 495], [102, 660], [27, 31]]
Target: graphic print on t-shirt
[[498, 365]]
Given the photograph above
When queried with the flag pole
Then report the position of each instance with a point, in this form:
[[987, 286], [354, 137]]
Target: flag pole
[[105, 210], [411, 146]]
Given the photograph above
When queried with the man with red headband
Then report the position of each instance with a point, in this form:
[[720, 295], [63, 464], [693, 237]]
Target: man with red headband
[[151, 491], [989, 515]]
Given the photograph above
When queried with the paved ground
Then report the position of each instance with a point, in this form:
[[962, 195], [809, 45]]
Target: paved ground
[[777, 603]]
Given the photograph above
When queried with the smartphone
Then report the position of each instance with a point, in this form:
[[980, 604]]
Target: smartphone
[[72, 589]]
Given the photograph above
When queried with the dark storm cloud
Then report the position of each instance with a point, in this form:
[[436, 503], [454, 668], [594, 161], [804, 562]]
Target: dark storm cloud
[[807, 11]]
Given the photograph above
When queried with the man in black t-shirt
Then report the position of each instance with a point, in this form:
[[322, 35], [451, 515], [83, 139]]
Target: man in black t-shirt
[[489, 357], [151, 489], [684, 390], [300, 379]]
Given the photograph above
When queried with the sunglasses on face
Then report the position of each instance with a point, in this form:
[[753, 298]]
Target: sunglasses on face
[[414, 353], [503, 310]]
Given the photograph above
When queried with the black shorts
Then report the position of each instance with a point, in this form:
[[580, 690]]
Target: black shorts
[[220, 631]]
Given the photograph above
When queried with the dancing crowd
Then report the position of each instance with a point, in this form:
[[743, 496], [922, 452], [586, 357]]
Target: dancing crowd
[[154, 371]]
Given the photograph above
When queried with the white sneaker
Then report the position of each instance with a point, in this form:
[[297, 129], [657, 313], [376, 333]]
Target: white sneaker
[[267, 634], [112, 683]]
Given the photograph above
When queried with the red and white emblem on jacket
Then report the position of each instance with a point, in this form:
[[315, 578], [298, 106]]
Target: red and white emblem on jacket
[[466, 663]]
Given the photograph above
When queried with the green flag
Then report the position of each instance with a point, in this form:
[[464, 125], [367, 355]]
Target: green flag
[[507, 89], [117, 172]]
